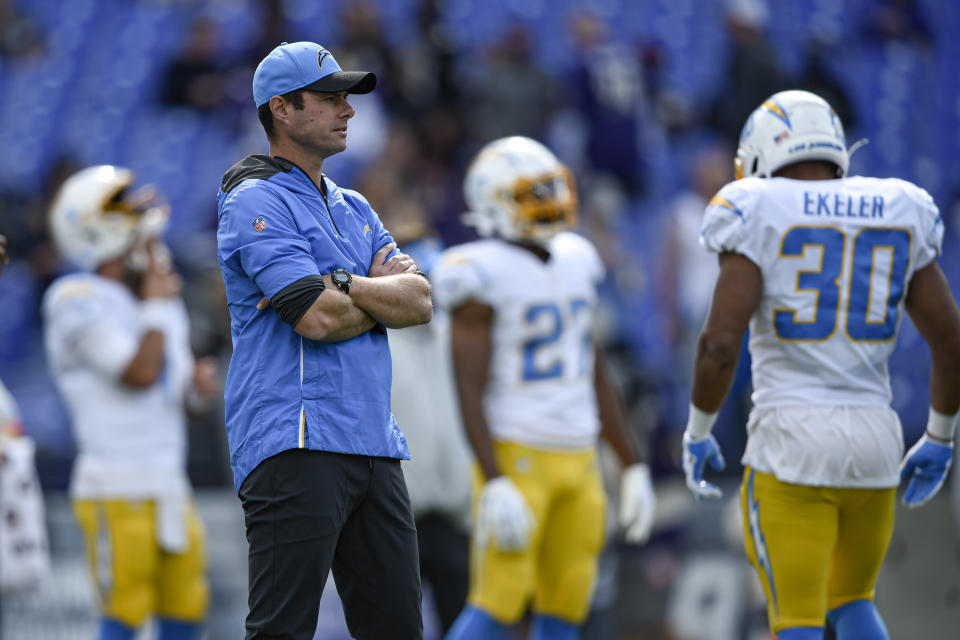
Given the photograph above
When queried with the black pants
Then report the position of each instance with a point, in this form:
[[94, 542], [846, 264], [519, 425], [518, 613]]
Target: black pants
[[308, 512], [445, 564]]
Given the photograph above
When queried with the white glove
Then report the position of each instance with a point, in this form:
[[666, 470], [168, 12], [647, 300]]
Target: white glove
[[637, 503], [504, 515]]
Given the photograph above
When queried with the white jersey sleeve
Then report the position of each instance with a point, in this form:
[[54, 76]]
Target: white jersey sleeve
[[929, 223], [80, 325], [458, 278], [728, 219]]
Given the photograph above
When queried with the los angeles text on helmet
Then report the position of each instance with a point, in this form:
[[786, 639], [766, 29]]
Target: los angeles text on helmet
[[835, 205]]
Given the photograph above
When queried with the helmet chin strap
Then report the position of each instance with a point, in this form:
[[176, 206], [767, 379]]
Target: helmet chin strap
[[543, 243]]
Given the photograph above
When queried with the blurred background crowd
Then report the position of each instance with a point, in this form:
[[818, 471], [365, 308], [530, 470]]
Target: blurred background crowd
[[643, 99]]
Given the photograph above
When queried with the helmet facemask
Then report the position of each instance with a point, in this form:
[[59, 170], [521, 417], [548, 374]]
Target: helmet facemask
[[148, 212], [543, 206]]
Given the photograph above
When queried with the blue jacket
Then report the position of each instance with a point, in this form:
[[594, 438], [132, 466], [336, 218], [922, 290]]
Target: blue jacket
[[284, 391]]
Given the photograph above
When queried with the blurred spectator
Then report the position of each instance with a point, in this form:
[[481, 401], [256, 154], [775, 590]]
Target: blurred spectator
[[429, 99], [609, 95], [817, 78], [4, 258], [396, 171], [687, 275], [753, 72], [427, 75], [365, 45], [273, 29], [896, 20], [20, 36], [688, 271], [418, 169], [511, 94], [24, 552], [196, 78], [23, 218]]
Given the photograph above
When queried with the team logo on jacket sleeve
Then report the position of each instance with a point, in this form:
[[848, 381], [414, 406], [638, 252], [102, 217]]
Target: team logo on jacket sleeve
[[259, 224]]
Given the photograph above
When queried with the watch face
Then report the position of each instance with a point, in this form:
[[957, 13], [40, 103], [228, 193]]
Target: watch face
[[341, 278]]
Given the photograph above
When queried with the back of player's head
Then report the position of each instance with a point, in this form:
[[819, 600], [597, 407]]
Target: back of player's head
[[518, 189], [791, 127], [96, 215]]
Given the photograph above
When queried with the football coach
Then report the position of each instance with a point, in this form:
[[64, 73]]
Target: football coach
[[312, 279]]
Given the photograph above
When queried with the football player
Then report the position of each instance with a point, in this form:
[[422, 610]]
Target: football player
[[534, 396], [117, 341], [821, 267]]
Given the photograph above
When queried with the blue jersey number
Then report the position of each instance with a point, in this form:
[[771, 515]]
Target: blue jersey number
[[555, 325], [864, 273]]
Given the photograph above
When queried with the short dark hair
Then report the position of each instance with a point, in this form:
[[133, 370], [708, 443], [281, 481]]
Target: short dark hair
[[295, 98]]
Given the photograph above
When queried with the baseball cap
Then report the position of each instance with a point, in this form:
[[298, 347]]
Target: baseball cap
[[305, 65]]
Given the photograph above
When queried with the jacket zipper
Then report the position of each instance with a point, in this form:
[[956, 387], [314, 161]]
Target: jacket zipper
[[323, 193]]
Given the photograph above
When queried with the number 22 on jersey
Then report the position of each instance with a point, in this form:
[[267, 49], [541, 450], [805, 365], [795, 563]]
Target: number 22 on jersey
[[872, 293], [548, 353]]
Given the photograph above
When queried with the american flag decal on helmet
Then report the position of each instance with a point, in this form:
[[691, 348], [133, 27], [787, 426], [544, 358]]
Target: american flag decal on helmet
[[259, 224]]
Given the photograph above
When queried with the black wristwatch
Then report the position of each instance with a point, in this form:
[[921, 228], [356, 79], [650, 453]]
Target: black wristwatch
[[341, 280]]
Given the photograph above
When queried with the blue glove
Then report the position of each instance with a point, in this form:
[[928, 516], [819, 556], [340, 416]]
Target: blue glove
[[696, 454], [926, 466]]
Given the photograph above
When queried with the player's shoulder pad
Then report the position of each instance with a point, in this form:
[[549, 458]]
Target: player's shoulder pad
[[915, 194], [928, 214], [738, 198], [463, 273], [77, 285], [730, 213], [74, 298], [573, 241], [580, 248]]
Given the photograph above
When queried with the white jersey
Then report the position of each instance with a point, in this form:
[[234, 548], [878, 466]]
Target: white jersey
[[131, 442], [540, 389], [837, 257]]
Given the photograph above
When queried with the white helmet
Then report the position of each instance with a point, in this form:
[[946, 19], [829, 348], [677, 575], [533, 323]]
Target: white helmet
[[789, 127], [517, 189], [95, 216]]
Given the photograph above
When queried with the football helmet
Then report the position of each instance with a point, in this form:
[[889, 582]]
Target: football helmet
[[790, 126], [517, 189], [97, 216]]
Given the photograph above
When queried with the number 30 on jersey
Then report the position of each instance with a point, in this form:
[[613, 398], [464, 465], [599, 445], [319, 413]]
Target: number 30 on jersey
[[880, 257]]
